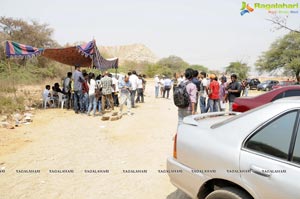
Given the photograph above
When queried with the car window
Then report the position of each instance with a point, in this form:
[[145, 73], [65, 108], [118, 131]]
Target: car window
[[274, 138], [292, 93], [296, 156], [280, 95]]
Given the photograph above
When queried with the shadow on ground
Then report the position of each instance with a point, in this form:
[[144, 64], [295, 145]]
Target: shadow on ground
[[178, 194]]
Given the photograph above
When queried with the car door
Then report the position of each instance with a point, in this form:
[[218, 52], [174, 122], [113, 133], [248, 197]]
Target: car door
[[270, 168]]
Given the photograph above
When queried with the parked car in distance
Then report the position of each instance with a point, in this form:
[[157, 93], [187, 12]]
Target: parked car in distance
[[253, 83], [250, 155], [267, 85], [242, 104], [283, 83]]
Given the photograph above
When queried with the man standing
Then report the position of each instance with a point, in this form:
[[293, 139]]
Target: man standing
[[67, 88], [125, 87], [213, 94], [115, 89], [85, 93], [203, 93], [92, 98], [196, 81], [106, 83], [134, 81], [223, 94], [168, 85], [156, 80], [78, 80], [192, 91], [140, 90], [234, 90]]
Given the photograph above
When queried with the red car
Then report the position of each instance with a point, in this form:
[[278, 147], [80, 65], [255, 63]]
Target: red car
[[242, 104]]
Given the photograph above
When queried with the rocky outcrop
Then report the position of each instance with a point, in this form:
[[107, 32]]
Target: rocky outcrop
[[134, 52]]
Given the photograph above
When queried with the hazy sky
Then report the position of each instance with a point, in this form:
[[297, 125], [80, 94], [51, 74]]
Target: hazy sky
[[211, 32]]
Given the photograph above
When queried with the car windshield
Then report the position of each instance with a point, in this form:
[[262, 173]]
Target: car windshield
[[231, 119]]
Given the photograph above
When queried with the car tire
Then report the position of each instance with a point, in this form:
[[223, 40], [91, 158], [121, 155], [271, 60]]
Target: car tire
[[228, 193]]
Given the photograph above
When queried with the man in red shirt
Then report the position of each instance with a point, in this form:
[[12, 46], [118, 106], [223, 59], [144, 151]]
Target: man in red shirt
[[213, 93]]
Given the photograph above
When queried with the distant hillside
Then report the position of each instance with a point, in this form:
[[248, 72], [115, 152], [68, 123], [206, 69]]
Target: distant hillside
[[133, 52]]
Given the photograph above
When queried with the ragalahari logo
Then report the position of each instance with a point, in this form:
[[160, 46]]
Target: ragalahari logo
[[246, 8]]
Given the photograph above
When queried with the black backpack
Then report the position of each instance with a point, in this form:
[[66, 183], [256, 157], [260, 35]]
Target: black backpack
[[180, 95]]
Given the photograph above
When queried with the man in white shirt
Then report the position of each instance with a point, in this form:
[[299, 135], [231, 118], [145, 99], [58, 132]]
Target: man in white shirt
[[115, 89], [92, 98], [46, 96], [203, 93], [156, 80], [133, 80]]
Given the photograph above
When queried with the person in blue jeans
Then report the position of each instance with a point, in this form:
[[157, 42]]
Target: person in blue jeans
[[78, 95], [203, 93], [167, 88], [92, 97]]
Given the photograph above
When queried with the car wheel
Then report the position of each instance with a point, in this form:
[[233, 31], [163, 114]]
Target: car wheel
[[228, 193]]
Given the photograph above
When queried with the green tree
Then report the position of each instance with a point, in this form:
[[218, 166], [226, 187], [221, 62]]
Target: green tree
[[199, 68], [173, 63], [284, 54], [30, 33], [239, 68]]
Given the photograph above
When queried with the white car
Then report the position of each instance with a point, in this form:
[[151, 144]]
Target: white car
[[255, 154]]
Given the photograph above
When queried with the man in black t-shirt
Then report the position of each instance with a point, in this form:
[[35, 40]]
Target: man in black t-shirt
[[234, 90]]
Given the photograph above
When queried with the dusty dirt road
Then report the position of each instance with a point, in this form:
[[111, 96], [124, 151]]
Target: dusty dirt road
[[61, 141]]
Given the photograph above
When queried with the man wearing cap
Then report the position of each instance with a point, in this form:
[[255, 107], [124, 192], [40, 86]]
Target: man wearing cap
[[78, 95], [213, 93]]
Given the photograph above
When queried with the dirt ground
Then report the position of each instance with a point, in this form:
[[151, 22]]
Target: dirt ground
[[58, 140]]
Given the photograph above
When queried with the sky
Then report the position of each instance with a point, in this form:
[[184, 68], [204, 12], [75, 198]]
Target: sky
[[206, 32]]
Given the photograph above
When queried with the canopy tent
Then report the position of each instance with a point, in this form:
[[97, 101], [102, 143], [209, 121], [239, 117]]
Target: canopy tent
[[86, 55]]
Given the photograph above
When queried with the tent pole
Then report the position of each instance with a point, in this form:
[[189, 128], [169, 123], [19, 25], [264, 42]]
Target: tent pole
[[97, 54]]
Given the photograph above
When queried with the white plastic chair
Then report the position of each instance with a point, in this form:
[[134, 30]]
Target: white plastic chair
[[61, 99]]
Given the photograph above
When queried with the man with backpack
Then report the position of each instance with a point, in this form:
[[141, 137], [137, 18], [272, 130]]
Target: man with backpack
[[185, 96]]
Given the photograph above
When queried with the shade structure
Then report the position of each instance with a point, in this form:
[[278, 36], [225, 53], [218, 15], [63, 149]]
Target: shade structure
[[86, 55]]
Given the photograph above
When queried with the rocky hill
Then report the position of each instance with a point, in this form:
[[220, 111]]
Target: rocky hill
[[133, 52]]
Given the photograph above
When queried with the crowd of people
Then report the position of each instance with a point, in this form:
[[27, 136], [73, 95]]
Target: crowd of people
[[208, 92], [86, 93]]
